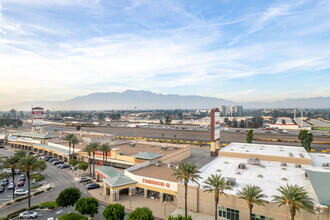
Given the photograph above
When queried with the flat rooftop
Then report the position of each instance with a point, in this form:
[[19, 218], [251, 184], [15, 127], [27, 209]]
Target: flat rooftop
[[161, 172], [130, 151], [263, 149], [262, 176]]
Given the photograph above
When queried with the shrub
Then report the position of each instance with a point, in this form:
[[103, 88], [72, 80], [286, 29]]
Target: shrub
[[37, 193], [37, 177], [68, 197], [16, 213], [9, 203], [21, 198], [34, 187], [114, 212], [179, 217], [143, 213], [87, 206], [72, 216]]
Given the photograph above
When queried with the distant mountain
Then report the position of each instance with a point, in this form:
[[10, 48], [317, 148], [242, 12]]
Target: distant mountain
[[131, 99]]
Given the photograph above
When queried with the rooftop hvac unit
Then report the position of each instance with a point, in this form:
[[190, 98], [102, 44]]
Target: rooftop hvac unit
[[262, 166], [132, 144], [253, 161], [284, 179], [260, 176], [290, 155], [298, 165], [164, 148], [175, 148], [218, 170], [170, 166], [301, 156], [283, 168], [231, 181], [325, 165], [242, 166], [283, 164], [158, 165], [238, 173]]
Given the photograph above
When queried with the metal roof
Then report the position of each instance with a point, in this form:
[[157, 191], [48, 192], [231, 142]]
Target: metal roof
[[107, 171], [56, 149], [320, 183], [35, 135], [147, 155], [118, 181]]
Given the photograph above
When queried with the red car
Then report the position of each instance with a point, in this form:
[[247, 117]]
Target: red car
[[21, 183]]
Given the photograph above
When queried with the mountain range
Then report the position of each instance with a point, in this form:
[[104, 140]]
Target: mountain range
[[133, 99]]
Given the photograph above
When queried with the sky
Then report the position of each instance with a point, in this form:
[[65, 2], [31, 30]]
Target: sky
[[238, 50]]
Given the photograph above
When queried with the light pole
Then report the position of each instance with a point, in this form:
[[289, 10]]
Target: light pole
[[165, 209]]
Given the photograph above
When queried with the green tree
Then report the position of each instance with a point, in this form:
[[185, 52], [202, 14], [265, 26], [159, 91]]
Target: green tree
[[114, 212], [143, 213], [216, 184], [253, 195], [87, 206], [227, 121], [68, 197], [249, 137], [242, 123], [186, 172], [306, 139], [78, 128], [27, 165], [296, 198], [12, 163], [73, 162], [168, 120], [74, 142], [234, 123], [94, 146], [179, 217], [83, 166], [41, 166], [20, 153], [89, 151], [105, 148], [68, 137]]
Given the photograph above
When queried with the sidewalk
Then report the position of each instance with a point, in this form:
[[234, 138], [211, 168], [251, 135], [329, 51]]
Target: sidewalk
[[194, 215]]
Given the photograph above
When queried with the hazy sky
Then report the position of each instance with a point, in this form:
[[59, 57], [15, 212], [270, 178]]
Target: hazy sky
[[240, 50]]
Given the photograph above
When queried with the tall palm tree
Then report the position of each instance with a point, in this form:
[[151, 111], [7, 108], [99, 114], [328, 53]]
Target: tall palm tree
[[88, 150], [105, 148], [186, 172], [296, 198], [217, 184], [74, 141], [94, 146], [253, 195], [28, 164], [12, 163], [68, 137]]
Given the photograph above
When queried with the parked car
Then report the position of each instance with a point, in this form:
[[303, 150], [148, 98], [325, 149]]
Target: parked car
[[30, 152], [28, 214], [5, 182], [11, 186], [37, 155], [1, 146], [64, 166], [22, 177], [48, 158], [21, 192], [52, 160], [84, 179], [2, 189], [17, 172], [7, 170], [58, 162], [92, 186], [21, 183]]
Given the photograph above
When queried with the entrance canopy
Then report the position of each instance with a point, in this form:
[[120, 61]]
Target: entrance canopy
[[113, 178]]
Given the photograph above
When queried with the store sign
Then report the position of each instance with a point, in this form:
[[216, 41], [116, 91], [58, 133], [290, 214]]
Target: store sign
[[217, 125], [25, 139], [12, 138], [37, 116], [155, 182]]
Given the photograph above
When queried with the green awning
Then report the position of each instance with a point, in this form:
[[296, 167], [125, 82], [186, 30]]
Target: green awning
[[321, 184]]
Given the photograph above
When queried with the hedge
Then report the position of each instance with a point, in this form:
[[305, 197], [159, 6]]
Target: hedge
[[37, 177], [37, 193], [72, 216], [21, 198], [34, 187], [16, 213]]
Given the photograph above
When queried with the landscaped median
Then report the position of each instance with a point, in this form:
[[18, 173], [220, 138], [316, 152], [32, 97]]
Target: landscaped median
[[72, 216]]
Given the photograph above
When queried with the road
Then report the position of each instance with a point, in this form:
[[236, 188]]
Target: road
[[196, 135]]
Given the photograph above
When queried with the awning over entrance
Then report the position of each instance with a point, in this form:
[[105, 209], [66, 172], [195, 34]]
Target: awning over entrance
[[52, 148], [34, 135], [112, 177]]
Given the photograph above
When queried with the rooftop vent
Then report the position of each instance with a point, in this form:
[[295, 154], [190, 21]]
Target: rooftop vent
[[262, 166], [242, 166], [253, 161], [261, 149], [247, 151], [281, 150], [298, 165], [290, 155], [226, 162], [158, 165], [325, 164], [218, 170], [231, 181], [231, 149], [238, 173], [284, 179], [132, 144], [283, 164], [260, 176], [301, 156], [283, 168]]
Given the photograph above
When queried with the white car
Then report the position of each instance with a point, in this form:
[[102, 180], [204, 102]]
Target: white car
[[28, 214], [7, 170], [21, 192]]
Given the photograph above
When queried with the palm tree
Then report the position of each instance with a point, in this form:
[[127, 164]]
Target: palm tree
[[88, 150], [105, 148], [28, 164], [186, 172], [253, 195], [68, 137], [94, 147], [12, 163], [296, 198], [217, 184], [74, 141]]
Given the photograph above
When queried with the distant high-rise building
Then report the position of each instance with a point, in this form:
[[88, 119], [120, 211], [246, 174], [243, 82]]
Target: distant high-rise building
[[231, 110]]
